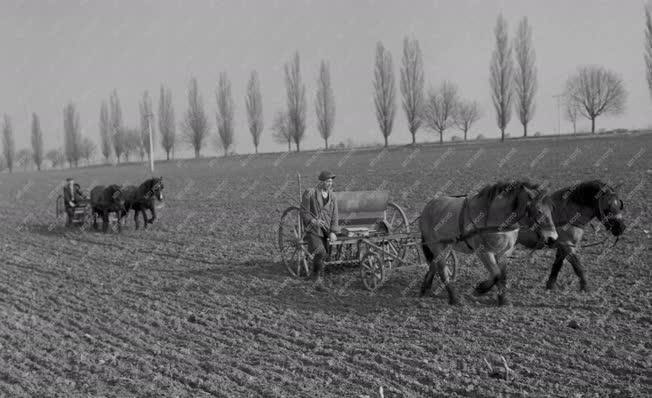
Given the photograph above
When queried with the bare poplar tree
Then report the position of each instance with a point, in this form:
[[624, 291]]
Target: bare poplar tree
[[440, 108], [131, 142], [166, 123], [37, 142], [71, 134], [105, 131], [195, 124], [8, 146], [648, 44], [224, 113], [254, 104], [87, 149], [501, 76], [596, 91], [384, 91], [525, 77], [296, 101], [281, 130], [571, 111], [145, 114], [325, 103], [117, 129], [412, 83], [468, 112]]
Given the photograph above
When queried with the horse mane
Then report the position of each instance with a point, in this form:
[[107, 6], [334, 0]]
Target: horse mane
[[149, 183], [491, 191], [586, 193]]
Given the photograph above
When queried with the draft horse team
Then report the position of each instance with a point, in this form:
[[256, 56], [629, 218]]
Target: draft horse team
[[114, 198]]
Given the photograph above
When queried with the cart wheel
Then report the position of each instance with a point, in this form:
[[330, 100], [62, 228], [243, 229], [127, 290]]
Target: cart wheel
[[294, 252], [397, 223], [372, 271]]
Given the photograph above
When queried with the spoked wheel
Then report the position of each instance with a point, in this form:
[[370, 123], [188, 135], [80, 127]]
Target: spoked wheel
[[294, 252], [372, 271], [397, 223]]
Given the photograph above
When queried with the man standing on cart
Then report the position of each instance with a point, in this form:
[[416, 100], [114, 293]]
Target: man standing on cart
[[321, 222]]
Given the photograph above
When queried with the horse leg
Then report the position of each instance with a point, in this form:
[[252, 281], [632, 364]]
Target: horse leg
[[442, 268], [144, 213], [427, 281], [153, 210], [105, 221], [489, 261], [574, 259], [136, 218], [556, 267], [94, 219]]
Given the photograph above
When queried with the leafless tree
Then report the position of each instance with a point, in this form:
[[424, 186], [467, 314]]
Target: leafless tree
[[501, 76], [105, 131], [648, 44], [37, 142], [71, 134], [131, 142], [440, 108], [572, 111], [296, 101], [145, 115], [9, 148], [224, 113], [412, 83], [56, 157], [281, 130], [384, 91], [254, 104], [325, 103], [525, 77], [195, 124], [166, 123], [468, 112], [87, 149], [117, 129], [597, 91], [24, 159]]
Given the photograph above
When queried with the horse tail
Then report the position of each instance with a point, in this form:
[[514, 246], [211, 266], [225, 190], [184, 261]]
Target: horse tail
[[426, 250]]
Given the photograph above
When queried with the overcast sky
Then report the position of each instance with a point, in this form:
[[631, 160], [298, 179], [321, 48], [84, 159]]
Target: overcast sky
[[59, 51]]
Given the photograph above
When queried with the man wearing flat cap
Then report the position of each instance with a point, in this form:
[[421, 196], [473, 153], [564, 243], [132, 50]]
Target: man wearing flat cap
[[321, 222]]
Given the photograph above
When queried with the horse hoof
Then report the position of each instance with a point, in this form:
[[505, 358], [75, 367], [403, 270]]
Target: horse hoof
[[584, 288], [483, 288], [550, 285], [502, 301]]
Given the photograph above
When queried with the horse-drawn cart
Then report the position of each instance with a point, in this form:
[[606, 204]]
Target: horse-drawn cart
[[81, 212], [375, 233]]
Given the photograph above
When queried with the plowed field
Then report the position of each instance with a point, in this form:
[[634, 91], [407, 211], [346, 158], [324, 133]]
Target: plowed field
[[200, 305]]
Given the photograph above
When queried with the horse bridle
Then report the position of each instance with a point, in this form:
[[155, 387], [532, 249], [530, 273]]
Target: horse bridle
[[607, 198]]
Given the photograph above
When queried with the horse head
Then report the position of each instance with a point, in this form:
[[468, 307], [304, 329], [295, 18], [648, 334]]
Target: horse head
[[608, 208], [154, 187], [535, 207]]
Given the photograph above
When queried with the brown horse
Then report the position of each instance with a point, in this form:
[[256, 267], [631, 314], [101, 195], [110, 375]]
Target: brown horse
[[573, 209], [485, 224]]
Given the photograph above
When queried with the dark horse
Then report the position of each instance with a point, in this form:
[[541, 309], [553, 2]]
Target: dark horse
[[486, 224], [105, 200], [574, 208], [142, 198]]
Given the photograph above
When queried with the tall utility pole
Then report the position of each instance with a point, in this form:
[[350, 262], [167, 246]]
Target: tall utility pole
[[150, 115], [558, 96]]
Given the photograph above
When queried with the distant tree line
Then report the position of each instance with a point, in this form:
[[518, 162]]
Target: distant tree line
[[590, 92]]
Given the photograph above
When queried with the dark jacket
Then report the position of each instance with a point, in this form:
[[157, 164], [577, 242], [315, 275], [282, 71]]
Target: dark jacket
[[313, 210]]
